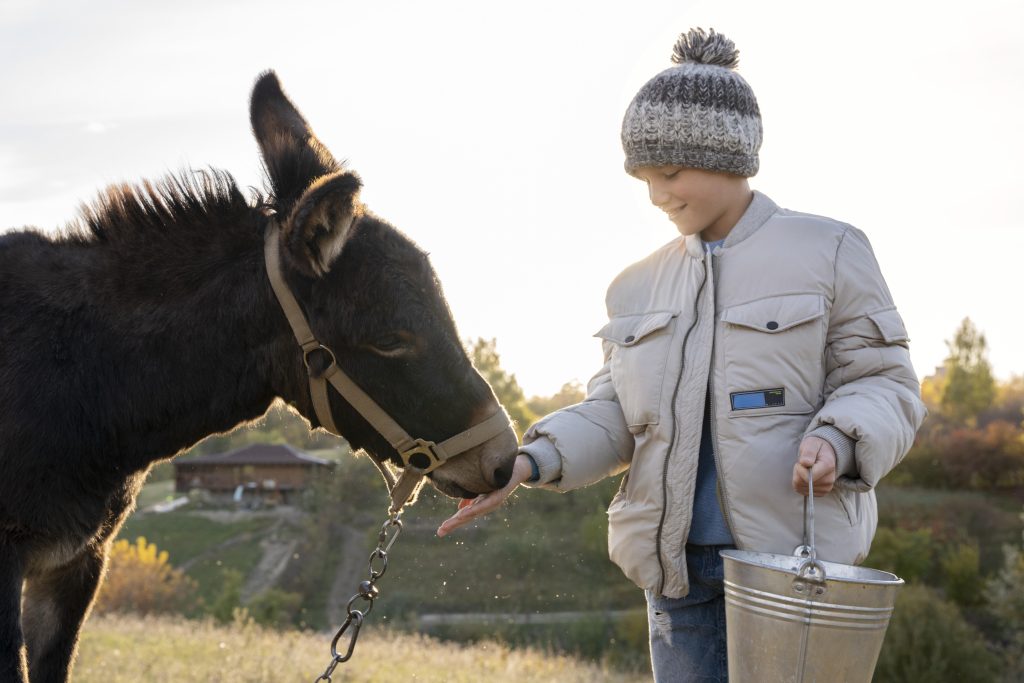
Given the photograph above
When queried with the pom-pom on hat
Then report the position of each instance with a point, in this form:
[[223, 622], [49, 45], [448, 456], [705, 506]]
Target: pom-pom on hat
[[699, 113]]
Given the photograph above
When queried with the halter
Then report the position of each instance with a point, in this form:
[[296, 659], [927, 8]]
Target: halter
[[419, 456]]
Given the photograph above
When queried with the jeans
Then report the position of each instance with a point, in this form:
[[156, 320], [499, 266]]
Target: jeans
[[688, 634]]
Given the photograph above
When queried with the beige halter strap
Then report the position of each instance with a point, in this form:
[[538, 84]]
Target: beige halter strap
[[419, 456]]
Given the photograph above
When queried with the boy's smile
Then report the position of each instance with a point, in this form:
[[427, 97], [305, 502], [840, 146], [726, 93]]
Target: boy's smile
[[695, 200]]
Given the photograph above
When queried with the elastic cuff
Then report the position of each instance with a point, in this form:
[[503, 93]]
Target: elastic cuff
[[843, 445], [535, 476], [546, 460]]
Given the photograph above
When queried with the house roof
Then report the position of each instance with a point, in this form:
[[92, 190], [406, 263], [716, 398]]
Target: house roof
[[256, 454]]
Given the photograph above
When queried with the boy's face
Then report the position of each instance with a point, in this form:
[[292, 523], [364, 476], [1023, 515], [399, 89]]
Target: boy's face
[[696, 200]]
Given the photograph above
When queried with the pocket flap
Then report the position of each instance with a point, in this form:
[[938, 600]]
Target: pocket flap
[[890, 325], [627, 330], [777, 313]]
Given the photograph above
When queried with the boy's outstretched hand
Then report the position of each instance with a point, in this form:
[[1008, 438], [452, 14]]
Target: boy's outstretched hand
[[470, 509]]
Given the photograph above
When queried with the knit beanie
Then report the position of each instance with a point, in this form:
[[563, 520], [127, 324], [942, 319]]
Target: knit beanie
[[698, 114]]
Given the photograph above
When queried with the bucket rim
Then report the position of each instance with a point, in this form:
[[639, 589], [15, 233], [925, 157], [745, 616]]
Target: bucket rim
[[751, 557]]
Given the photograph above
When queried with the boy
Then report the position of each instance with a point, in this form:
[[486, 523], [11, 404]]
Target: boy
[[759, 348]]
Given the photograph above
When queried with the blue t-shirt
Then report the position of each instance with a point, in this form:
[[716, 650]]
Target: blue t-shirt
[[708, 526]]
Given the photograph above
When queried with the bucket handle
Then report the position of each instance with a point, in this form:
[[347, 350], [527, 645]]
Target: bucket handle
[[810, 575]]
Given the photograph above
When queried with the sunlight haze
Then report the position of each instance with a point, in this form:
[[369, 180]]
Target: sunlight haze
[[489, 133]]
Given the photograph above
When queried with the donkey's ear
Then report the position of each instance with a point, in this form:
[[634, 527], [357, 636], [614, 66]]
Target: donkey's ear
[[293, 156], [321, 222]]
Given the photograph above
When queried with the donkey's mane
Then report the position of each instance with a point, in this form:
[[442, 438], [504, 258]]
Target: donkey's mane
[[190, 201]]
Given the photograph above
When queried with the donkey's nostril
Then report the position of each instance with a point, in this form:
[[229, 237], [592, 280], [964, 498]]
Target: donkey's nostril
[[503, 474]]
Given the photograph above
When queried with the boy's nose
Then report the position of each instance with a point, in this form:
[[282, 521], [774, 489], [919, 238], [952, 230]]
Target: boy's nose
[[658, 195]]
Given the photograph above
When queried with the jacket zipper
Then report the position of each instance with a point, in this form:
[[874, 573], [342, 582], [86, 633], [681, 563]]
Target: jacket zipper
[[722, 495], [675, 421]]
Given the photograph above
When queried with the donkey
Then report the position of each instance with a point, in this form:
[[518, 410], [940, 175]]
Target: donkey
[[151, 323]]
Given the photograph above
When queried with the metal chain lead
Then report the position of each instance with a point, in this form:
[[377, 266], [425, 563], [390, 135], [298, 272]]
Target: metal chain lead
[[368, 592]]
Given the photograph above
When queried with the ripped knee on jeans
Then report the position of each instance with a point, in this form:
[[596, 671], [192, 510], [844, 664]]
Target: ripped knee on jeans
[[661, 624]]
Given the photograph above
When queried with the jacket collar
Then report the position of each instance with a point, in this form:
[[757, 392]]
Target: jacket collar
[[761, 208]]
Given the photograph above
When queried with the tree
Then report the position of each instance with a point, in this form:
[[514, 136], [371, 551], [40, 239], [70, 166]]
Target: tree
[[983, 458], [1009, 402], [1005, 596], [141, 579], [969, 386], [484, 354], [570, 394]]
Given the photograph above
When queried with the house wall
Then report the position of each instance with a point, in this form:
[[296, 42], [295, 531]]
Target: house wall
[[220, 477]]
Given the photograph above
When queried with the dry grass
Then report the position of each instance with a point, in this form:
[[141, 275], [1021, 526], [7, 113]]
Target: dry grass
[[119, 649]]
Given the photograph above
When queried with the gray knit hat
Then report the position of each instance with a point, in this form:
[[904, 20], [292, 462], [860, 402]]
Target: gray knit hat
[[699, 114]]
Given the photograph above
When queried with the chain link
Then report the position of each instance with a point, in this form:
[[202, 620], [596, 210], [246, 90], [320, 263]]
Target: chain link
[[368, 592]]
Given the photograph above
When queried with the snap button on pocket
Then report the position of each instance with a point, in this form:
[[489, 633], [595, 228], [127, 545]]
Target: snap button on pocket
[[637, 348], [772, 325]]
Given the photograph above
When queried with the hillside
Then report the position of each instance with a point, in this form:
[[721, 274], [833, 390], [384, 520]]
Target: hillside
[[528, 562]]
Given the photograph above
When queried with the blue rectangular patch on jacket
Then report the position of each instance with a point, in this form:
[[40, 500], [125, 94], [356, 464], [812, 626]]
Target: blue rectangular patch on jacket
[[762, 398]]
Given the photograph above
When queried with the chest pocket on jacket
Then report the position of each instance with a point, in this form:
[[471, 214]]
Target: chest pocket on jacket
[[639, 346], [775, 343]]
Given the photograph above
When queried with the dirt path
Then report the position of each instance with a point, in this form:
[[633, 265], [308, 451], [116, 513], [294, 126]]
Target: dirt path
[[352, 557], [276, 543], [277, 553]]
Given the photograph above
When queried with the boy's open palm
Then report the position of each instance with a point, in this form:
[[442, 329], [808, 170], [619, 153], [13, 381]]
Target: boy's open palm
[[470, 509]]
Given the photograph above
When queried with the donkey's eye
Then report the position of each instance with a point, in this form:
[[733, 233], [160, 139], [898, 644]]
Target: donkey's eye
[[390, 342], [395, 344]]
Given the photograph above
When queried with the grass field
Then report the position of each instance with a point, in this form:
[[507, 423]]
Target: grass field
[[185, 536], [155, 492], [164, 650]]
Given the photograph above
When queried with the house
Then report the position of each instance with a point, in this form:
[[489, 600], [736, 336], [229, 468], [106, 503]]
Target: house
[[270, 472]]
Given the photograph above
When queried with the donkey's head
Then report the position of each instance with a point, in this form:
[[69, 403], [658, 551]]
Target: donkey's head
[[372, 297]]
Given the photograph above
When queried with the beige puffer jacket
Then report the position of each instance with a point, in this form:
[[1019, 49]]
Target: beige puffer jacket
[[792, 318]]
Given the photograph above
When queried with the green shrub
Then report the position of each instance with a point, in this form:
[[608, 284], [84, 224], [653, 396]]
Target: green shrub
[[629, 646], [907, 554], [928, 640], [275, 608], [140, 579], [961, 574], [229, 599], [1005, 597]]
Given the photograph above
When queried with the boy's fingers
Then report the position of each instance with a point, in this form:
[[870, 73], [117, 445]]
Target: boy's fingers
[[816, 459], [809, 449], [470, 509]]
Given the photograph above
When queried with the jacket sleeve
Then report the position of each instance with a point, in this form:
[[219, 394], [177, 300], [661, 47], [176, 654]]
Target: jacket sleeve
[[872, 395], [583, 443]]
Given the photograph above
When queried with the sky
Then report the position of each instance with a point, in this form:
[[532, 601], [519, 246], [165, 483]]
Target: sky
[[489, 133]]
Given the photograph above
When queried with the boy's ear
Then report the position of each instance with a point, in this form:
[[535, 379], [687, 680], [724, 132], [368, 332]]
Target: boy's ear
[[292, 154], [317, 228]]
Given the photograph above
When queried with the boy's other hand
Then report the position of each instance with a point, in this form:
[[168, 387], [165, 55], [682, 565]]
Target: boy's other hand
[[818, 457], [469, 510]]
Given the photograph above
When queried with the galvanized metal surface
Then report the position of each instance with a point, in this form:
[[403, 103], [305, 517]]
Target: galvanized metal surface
[[798, 619]]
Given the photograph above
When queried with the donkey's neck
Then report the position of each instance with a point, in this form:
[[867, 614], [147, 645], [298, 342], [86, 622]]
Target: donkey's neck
[[196, 339]]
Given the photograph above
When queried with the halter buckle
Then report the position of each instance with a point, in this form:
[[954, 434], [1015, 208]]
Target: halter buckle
[[313, 349], [421, 456]]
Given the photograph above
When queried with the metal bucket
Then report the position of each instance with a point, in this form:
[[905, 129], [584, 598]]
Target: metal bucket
[[800, 619]]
